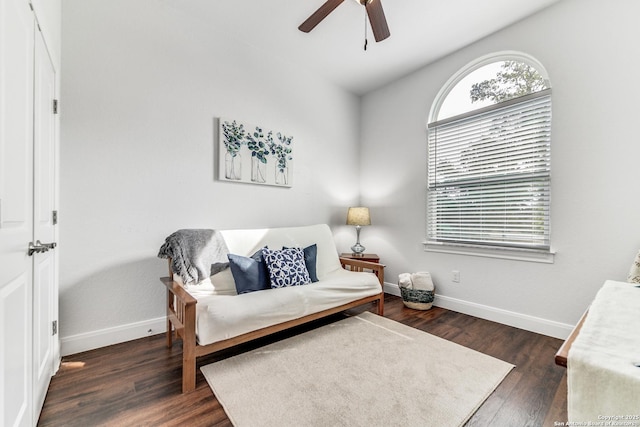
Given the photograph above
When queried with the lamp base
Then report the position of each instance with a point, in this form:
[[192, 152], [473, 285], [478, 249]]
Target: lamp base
[[357, 248]]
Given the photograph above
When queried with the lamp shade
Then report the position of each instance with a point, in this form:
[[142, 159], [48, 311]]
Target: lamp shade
[[358, 216]]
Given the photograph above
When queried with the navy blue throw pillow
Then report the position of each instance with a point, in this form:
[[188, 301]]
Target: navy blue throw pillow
[[310, 256], [250, 274]]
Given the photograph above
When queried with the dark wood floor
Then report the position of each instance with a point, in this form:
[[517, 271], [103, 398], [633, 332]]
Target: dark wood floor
[[138, 383]]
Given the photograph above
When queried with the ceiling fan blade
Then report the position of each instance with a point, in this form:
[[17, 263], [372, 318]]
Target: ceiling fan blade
[[319, 15], [377, 20]]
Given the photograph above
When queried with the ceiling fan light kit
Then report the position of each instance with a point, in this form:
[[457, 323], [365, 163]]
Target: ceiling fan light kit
[[374, 10]]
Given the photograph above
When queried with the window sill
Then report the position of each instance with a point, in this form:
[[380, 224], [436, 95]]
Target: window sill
[[512, 254]]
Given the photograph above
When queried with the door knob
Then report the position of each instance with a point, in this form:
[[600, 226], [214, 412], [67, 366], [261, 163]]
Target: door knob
[[40, 247], [51, 245]]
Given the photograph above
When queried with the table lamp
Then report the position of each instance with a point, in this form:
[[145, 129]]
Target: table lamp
[[358, 216]]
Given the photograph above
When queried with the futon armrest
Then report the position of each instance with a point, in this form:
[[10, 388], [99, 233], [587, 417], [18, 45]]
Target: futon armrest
[[179, 291], [359, 265]]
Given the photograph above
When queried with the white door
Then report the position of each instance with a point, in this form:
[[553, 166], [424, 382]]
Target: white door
[[16, 211], [44, 263]]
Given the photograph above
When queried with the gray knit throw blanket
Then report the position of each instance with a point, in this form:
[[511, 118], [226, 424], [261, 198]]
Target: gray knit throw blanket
[[195, 254]]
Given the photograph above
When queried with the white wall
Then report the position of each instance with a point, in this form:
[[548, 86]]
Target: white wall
[[589, 48], [140, 93], [142, 85]]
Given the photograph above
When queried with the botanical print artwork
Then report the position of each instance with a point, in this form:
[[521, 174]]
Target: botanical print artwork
[[252, 154]]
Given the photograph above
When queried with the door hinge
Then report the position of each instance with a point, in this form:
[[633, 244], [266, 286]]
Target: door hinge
[[54, 217], [55, 106], [54, 327]]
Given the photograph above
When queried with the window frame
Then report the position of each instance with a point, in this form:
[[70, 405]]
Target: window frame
[[485, 250]]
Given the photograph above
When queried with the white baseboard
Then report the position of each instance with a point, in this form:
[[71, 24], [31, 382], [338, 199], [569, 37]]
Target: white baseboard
[[104, 337], [391, 288], [511, 318]]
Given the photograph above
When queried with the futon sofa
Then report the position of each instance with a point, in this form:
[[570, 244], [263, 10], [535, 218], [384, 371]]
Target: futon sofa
[[218, 313]]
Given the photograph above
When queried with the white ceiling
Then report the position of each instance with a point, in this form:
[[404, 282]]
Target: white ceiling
[[422, 31]]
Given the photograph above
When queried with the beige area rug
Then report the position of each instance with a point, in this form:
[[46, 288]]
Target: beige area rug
[[361, 371]]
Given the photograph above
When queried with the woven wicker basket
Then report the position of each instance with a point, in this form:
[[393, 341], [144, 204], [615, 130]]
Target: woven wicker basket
[[417, 299]]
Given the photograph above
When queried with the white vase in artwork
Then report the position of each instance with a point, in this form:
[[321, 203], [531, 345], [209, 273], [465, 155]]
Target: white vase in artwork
[[282, 175], [232, 166], [258, 170]]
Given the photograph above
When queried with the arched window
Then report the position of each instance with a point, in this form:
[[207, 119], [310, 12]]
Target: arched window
[[489, 156]]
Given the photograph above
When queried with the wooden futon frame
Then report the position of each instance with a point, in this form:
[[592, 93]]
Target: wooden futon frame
[[181, 318]]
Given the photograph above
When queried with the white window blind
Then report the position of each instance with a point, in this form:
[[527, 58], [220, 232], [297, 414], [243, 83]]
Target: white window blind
[[489, 176]]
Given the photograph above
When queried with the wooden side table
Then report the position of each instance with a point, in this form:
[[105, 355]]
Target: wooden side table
[[362, 257]]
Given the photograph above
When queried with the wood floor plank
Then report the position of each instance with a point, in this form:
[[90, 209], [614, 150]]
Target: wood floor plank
[[138, 383]]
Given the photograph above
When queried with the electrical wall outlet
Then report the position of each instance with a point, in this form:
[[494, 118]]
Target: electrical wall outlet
[[455, 276]]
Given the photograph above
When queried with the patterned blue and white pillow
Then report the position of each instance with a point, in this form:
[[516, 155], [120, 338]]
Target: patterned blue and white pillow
[[310, 255], [286, 267]]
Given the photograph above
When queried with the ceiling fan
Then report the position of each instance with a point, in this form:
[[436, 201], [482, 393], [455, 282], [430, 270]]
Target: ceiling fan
[[374, 11]]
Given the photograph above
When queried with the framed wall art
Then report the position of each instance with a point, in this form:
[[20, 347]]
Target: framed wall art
[[251, 154]]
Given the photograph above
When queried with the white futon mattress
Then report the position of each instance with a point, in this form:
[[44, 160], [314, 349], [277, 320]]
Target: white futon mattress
[[222, 316]]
